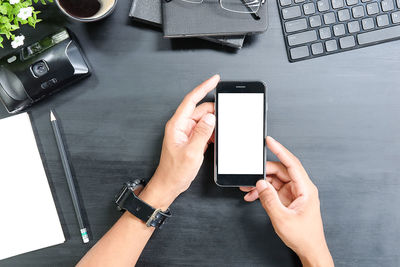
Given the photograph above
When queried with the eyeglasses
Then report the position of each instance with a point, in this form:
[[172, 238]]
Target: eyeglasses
[[236, 6]]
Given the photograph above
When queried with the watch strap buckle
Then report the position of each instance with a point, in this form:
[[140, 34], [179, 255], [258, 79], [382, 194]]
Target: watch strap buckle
[[152, 217]]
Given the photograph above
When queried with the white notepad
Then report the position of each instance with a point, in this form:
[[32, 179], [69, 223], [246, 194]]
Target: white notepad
[[28, 215]]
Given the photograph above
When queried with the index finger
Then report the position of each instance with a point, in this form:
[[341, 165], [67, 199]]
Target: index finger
[[293, 165], [190, 101]]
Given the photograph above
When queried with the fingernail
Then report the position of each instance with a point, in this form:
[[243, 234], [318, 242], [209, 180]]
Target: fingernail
[[209, 119], [271, 138]]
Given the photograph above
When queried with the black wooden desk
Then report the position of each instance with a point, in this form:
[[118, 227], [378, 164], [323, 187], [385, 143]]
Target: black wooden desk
[[339, 114]]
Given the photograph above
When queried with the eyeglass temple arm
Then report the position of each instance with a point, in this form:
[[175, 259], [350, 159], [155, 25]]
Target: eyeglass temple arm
[[253, 14]]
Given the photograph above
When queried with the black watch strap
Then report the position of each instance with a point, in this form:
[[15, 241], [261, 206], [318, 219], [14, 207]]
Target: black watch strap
[[127, 200]]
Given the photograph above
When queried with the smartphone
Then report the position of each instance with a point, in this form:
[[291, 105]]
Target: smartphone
[[239, 150]]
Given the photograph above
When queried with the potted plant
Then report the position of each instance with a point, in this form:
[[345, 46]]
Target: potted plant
[[14, 14]]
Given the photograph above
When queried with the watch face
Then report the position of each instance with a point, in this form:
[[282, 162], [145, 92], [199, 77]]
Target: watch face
[[136, 186]]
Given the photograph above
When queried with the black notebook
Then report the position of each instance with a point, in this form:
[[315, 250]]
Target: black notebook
[[150, 12], [183, 19]]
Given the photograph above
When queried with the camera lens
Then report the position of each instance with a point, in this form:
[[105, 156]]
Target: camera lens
[[39, 69]]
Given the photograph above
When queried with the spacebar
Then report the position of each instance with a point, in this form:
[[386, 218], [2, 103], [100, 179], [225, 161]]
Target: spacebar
[[379, 35]]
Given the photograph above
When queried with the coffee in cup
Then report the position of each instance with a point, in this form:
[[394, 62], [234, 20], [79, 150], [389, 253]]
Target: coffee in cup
[[86, 10]]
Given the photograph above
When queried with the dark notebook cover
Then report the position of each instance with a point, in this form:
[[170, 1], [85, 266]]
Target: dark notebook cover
[[183, 19], [150, 12]]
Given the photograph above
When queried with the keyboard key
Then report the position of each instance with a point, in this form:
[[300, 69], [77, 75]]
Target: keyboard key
[[315, 21], [368, 23], [299, 1], [296, 25], [323, 5], [351, 2], [387, 5], [372, 8], [317, 48], [347, 42], [329, 18], [339, 30], [353, 26], [344, 14], [331, 45], [364, 1], [301, 38], [325, 33], [398, 3], [358, 11], [379, 35], [299, 52], [309, 8], [396, 17], [382, 20], [285, 2], [291, 12], [337, 4]]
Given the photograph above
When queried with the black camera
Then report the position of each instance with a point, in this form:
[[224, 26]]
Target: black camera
[[40, 69]]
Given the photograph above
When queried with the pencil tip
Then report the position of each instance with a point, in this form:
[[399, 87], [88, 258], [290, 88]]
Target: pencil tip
[[52, 117]]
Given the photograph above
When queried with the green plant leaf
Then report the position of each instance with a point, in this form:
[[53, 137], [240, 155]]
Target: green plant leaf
[[9, 20], [4, 19], [3, 9]]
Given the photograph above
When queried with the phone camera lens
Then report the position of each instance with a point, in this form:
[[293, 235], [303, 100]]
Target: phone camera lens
[[39, 68]]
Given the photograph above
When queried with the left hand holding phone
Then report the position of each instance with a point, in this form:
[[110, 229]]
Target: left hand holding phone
[[186, 138], [291, 200]]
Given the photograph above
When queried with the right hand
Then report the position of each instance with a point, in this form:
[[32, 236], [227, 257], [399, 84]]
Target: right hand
[[292, 203], [187, 135]]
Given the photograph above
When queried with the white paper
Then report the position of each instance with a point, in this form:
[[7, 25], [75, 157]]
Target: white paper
[[240, 133], [28, 216]]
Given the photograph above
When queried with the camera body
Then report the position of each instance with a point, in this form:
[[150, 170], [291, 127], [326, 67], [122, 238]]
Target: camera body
[[40, 69]]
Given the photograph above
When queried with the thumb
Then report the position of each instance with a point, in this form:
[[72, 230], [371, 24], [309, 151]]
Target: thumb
[[270, 200], [203, 130]]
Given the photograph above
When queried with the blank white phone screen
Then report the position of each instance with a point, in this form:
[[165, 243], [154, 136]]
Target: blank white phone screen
[[240, 133]]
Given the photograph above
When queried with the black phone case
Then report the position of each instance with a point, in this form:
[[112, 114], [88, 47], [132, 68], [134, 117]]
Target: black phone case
[[234, 180]]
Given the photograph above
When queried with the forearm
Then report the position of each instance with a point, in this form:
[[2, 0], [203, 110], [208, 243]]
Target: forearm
[[121, 245], [125, 241]]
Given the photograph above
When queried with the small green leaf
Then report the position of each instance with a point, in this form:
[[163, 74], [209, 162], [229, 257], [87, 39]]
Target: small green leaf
[[3, 10], [4, 19]]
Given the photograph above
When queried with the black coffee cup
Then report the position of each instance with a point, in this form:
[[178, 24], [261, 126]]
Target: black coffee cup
[[87, 10]]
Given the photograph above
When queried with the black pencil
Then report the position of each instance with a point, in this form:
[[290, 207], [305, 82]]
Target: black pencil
[[70, 181]]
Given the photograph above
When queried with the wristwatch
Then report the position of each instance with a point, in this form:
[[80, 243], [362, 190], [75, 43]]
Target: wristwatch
[[127, 199]]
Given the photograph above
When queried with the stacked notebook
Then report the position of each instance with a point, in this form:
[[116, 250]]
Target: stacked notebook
[[180, 19]]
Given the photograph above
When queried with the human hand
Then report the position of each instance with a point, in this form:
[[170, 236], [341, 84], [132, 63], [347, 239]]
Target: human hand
[[186, 138], [292, 203]]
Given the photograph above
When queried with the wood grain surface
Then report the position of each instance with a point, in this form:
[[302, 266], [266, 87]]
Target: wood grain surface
[[339, 114]]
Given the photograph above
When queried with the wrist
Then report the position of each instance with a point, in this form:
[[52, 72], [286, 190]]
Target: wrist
[[157, 195], [320, 257]]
